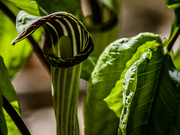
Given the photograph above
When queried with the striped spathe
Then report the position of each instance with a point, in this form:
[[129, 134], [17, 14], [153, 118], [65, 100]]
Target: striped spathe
[[59, 25], [67, 43]]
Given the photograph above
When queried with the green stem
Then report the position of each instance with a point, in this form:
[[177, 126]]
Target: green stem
[[65, 91], [15, 117], [173, 38]]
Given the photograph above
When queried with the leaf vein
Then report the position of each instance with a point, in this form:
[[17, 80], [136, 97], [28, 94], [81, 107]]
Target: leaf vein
[[146, 84], [165, 104], [145, 73]]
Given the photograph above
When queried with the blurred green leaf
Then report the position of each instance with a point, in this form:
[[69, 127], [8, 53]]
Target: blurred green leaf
[[175, 4], [172, 3], [29, 6], [88, 66], [8, 91], [103, 22], [176, 22], [71, 6], [14, 56], [99, 118], [102, 39], [175, 28], [104, 16]]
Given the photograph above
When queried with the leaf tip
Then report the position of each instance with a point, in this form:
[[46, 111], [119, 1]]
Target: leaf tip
[[13, 42]]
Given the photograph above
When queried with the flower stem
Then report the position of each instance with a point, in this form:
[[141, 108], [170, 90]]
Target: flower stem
[[173, 38], [65, 92]]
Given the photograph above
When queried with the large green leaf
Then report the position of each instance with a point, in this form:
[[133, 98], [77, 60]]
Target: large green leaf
[[8, 91], [151, 95], [146, 98], [138, 90], [99, 118], [113, 99], [14, 56]]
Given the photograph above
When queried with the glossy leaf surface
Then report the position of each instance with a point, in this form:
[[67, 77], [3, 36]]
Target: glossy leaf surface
[[139, 88], [151, 96], [99, 118], [146, 98]]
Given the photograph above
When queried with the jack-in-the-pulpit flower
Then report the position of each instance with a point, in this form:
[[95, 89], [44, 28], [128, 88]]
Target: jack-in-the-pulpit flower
[[67, 43]]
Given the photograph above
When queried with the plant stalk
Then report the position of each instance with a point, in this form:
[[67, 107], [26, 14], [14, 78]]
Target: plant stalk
[[15, 117], [65, 92], [173, 39]]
